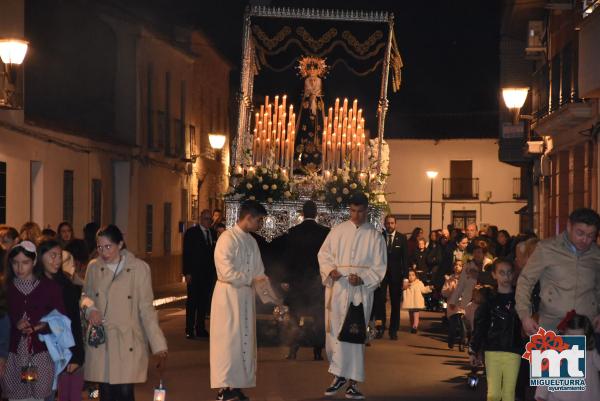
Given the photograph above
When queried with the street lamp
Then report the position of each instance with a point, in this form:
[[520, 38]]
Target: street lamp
[[12, 54], [217, 141], [12, 51], [514, 99], [431, 174]]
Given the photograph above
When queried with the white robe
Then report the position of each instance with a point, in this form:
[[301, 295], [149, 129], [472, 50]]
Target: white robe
[[361, 251], [233, 314]]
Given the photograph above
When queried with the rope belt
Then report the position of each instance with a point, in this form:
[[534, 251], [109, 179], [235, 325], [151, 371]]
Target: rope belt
[[353, 266], [227, 282]]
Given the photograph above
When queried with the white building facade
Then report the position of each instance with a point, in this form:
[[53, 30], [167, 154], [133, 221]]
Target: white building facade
[[154, 172], [472, 185]]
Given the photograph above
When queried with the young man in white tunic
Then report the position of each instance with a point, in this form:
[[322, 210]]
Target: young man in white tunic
[[233, 316], [353, 261]]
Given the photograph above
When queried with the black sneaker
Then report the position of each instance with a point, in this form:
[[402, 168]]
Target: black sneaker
[[227, 395], [352, 393], [240, 395], [336, 385]]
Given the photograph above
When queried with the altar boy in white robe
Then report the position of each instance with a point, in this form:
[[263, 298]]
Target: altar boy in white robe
[[233, 315], [353, 261]]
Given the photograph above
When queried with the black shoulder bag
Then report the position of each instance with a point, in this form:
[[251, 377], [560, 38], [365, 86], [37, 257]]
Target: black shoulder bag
[[354, 329]]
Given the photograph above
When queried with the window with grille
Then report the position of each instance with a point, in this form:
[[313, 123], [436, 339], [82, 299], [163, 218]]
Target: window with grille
[[149, 227], [184, 204], [68, 196], [149, 105], [180, 133], [2, 192], [97, 201], [168, 141], [167, 227]]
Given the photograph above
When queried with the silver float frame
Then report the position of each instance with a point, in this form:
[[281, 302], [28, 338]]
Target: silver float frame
[[243, 137]]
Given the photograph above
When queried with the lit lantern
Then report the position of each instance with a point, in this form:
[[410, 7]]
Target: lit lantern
[[514, 99], [160, 393], [29, 373], [12, 51], [217, 141]]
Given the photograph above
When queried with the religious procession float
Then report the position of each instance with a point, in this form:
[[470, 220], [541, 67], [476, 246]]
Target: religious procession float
[[308, 127]]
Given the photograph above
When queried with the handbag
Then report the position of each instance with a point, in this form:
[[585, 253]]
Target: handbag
[[96, 334], [354, 329]]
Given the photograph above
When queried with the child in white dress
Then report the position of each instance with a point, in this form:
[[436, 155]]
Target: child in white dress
[[413, 298]]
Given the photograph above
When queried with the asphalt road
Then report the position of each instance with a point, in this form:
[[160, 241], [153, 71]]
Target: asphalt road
[[417, 367]]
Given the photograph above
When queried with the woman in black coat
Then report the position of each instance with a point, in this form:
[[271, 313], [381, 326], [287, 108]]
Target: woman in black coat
[[50, 258]]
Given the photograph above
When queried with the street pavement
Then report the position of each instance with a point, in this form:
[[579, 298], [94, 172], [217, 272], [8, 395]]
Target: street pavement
[[418, 367]]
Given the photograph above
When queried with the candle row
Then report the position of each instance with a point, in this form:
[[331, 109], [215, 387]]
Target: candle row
[[343, 142], [274, 133]]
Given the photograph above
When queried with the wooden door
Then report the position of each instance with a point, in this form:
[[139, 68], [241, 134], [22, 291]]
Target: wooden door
[[461, 178]]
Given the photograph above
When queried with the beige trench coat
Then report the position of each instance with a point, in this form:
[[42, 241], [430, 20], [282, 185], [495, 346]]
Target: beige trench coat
[[131, 322]]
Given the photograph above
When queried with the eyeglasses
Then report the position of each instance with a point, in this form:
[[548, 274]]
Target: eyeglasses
[[106, 247], [54, 255]]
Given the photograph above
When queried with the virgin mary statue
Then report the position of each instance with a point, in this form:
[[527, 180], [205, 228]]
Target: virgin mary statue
[[309, 127]]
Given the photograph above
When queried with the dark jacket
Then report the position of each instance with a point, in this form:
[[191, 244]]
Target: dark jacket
[[71, 296], [497, 326], [46, 297], [447, 263], [434, 256], [419, 260], [398, 260], [198, 255], [302, 246]]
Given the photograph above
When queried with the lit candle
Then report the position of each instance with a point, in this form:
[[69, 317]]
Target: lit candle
[[343, 155], [337, 107], [255, 144], [275, 109], [345, 111], [324, 148], [284, 101], [348, 149]]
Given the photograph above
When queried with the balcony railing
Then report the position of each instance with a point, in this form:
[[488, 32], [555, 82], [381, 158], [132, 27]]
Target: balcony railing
[[555, 83], [519, 192], [460, 188]]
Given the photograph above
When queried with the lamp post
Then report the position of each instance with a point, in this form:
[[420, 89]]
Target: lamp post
[[217, 141], [431, 174], [12, 53], [514, 98]]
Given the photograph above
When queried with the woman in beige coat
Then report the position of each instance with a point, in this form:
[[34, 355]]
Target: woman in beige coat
[[119, 285]]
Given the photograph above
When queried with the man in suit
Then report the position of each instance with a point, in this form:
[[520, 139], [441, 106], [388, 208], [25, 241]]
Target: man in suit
[[306, 295], [397, 271], [200, 274]]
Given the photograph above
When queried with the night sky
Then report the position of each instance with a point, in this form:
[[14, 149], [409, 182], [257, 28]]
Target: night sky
[[450, 79]]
